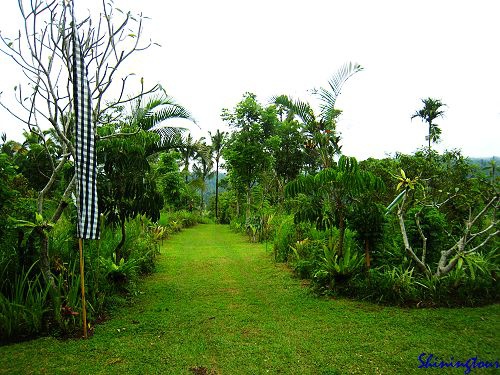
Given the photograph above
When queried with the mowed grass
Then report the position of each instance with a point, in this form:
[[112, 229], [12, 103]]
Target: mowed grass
[[219, 305]]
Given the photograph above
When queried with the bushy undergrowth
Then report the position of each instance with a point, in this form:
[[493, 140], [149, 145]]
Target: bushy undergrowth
[[403, 285], [392, 279], [26, 306], [174, 221]]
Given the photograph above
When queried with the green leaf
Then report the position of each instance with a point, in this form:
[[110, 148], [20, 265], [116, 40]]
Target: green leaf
[[395, 202], [15, 223], [38, 218]]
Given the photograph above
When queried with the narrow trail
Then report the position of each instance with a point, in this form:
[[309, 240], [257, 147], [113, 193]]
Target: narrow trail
[[218, 304]]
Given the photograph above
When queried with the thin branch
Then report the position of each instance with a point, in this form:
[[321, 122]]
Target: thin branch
[[483, 211], [63, 202], [117, 135], [490, 236], [487, 229], [48, 186]]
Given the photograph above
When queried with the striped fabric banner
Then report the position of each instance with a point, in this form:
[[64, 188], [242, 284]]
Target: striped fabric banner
[[86, 162]]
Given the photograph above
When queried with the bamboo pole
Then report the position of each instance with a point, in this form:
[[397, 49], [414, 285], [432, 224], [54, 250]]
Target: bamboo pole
[[82, 283]]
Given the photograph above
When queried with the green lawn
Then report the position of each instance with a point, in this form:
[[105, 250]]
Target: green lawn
[[219, 305]]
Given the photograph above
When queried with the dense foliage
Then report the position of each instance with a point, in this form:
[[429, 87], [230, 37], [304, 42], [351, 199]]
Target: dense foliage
[[417, 229], [409, 229]]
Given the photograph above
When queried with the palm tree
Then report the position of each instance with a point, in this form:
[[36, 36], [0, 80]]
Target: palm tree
[[188, 149], [203, 169], [431, 111], [153, 117], [321, 132], [218, 143]]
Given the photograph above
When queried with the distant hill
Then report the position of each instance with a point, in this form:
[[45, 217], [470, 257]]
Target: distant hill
[[484, 162], [211, 186], [489, 166]]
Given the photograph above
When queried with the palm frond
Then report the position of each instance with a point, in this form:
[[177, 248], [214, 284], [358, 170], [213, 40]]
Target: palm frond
[[294, 108], [329, 96], [302, 184], [169, 137], [155, 116]]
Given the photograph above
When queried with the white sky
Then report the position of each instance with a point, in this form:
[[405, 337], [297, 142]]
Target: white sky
[[214, 51]]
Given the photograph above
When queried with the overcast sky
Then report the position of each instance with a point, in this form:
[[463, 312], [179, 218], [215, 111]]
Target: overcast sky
[[214, 51]]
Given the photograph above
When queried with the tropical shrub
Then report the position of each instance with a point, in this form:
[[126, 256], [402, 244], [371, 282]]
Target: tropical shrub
[[23, 309], [336, 268], [285, 235]]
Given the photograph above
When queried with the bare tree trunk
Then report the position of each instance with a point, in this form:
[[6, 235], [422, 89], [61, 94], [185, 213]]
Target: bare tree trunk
[[422, 236], [63, 202], [122, 240], [367, 254], [248, 204], [406, 242], [430, 128], [203, 198]]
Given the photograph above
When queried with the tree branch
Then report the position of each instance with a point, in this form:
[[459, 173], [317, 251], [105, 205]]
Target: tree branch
[[424, 239], [406, 242]]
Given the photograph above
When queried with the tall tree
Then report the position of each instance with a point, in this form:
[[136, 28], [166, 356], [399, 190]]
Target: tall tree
[[219, 140], [188, 149], [203, 167], [247, 153], [126, 186], [432, 109]]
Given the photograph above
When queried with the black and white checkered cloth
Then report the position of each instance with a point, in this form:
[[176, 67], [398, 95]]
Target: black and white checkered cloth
[[86, 162]]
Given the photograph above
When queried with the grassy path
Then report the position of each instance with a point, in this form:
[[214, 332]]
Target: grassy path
[[218, 305]]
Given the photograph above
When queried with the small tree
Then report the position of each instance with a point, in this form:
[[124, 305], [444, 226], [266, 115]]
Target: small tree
[[247, 154], [170, 180], [188, 148], [126, 185], [474, 233], [203, 168]]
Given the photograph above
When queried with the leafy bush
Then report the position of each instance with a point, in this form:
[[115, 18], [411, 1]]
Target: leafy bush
[[306, 257], [402, 285], [120, 274], [237, 224], [285, 235], [176, 220], [335, 268], [22, 312]]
